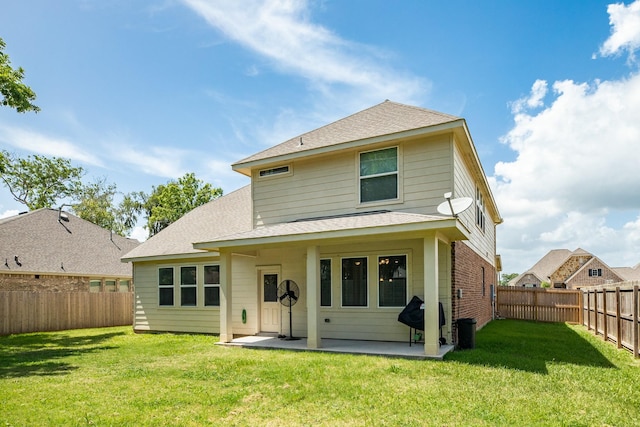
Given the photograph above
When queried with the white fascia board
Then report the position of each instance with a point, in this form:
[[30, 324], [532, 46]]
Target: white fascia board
[[166, 257]]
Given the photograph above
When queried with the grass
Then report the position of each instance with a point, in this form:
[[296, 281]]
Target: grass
[[520, 373]]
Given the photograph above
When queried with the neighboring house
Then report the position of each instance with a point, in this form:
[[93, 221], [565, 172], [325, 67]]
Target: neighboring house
[[348, 212], [52, 250], [562, 268]]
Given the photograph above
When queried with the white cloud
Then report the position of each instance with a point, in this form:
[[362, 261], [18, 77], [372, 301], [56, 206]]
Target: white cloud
[[8, 213], [282, 31], [576, 166], [139, 233], [625, 30], [38, 143], [534, 100], [159, 161]]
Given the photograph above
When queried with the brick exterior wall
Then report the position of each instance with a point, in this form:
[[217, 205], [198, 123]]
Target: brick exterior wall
[[582, 278], [50, 283], [29, 282], [467, 269]]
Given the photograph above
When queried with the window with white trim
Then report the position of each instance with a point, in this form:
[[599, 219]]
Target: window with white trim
[[392, 281], [595, 272], [379, 175], [165, 286], [480, 216], [354, 282], [188, 286], [212, 285], [325, 283]]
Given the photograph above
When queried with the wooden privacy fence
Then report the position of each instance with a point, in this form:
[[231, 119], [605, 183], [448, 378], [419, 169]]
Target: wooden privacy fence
[[612, 312], [544, 305], [24, 311]]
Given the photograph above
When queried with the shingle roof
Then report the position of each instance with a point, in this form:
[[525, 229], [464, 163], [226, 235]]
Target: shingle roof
[[45, 245], [335, 223], [628, 273], [383, 119], [228, 214], [547, 265]]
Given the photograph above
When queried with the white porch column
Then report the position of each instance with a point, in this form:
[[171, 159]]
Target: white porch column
[[226, 328], [313, 297], [431, 310]]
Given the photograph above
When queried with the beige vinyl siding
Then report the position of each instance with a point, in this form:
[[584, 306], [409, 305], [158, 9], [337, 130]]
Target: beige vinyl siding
[[148, 316], [481, 242], [317, 187], [243, 297], [329, 185], [427, 174]]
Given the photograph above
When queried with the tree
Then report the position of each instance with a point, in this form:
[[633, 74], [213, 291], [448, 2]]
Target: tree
[[95, 203], [15, 94], [169, 202], [505, 278], [39, 181]]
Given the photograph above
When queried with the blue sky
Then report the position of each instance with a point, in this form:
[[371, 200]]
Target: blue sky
[[140, 92]]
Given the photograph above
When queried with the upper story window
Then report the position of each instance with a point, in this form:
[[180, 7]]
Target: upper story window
[[379, 175], [595, 272], [280, 170], [480, 217]]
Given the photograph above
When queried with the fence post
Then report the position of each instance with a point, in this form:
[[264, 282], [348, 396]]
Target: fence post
[[595, 311], [581, 308], [618, 319], [535, 305], [588, 310], [635, 321], [605, 332]]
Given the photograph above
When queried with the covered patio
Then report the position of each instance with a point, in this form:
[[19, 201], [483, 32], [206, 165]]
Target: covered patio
[[372, 348]]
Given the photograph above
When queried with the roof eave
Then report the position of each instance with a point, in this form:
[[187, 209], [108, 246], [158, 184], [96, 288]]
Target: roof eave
[[451, 228], [246, 167], [167, 257]]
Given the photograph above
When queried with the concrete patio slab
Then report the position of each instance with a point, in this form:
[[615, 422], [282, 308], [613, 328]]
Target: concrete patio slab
[[374, 348]]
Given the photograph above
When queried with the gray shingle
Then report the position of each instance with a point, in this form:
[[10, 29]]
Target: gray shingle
[[228, 214], [43, 244], [383, 119]]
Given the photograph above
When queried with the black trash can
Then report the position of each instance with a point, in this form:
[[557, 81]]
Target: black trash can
[[466, 333]]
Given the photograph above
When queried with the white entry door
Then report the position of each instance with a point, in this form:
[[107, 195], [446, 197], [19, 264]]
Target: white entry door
[[270, 307]]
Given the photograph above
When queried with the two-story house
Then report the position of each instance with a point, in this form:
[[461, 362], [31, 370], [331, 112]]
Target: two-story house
[[562, 268], [347, 211]]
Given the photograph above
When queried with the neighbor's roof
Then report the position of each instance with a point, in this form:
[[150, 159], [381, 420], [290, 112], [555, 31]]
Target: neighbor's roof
[[546, 266], [225, 215], [43, 244], [386, 118], [628, 273], [339, 226]]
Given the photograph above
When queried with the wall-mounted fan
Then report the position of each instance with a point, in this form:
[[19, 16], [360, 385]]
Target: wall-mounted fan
[[288, 294]]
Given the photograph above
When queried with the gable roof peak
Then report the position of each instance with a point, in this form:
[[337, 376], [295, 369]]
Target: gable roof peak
[[385, 118]]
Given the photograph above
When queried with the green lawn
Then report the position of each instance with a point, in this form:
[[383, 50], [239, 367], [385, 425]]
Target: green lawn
[[520, 373]]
